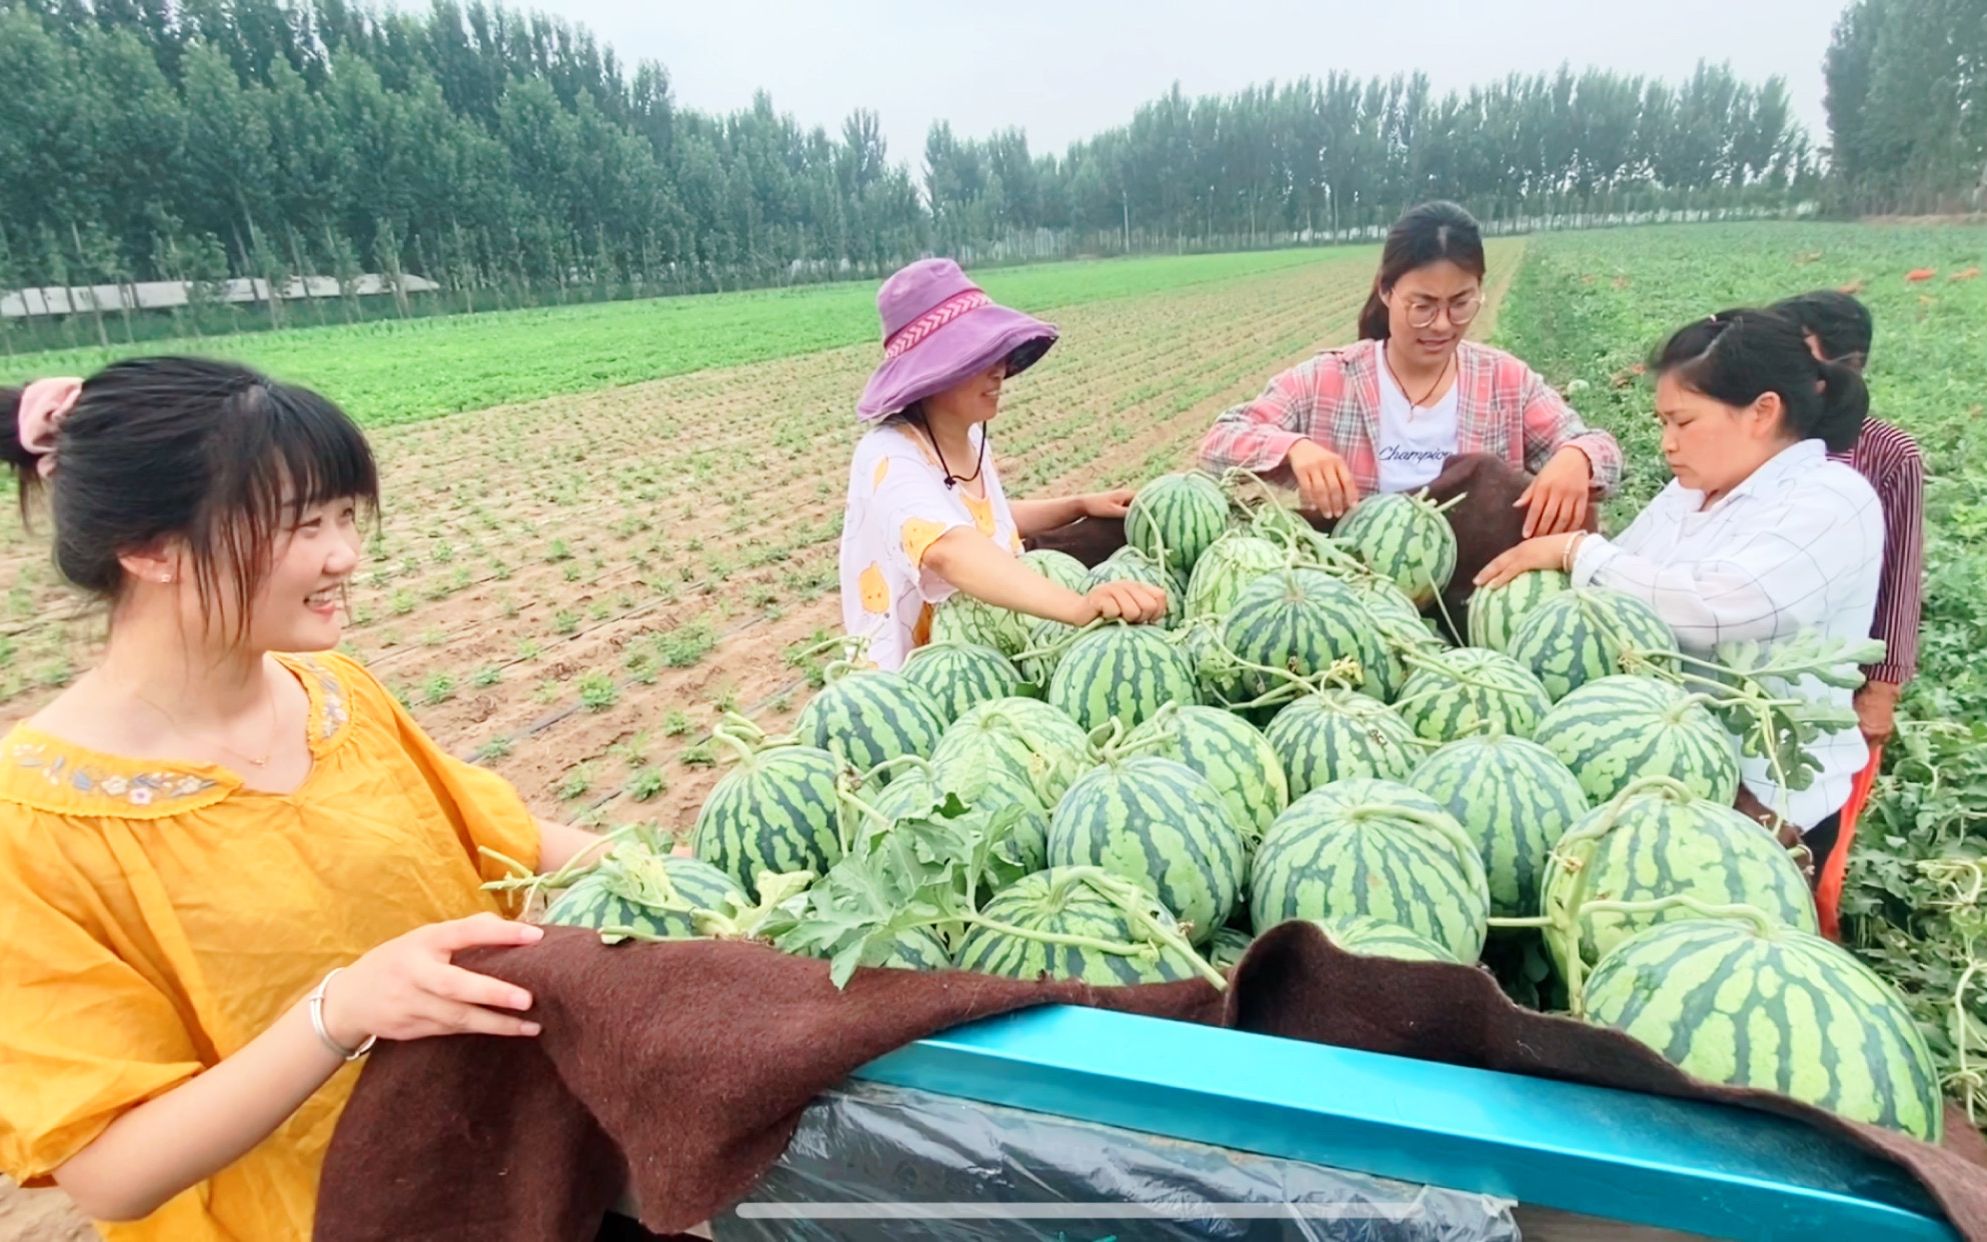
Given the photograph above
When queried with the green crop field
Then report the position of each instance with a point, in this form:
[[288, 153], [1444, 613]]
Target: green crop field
[[388, 372], [1586, 310]]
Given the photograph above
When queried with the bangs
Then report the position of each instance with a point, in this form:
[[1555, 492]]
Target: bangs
[[285, 450], [322, 453]]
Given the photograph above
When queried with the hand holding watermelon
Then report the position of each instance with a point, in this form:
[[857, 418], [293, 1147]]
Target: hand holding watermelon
[[1540, 552], [1136, 602], [1111, 504], [1324, 481], [1557, 499]]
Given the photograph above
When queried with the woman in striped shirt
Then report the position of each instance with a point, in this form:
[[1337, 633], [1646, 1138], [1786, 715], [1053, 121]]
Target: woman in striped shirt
[[1759, 536], [1388, 413], [1838, 329]]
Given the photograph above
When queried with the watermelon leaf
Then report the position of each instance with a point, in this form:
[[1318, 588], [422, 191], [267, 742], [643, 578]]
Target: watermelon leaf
[[916, 872]]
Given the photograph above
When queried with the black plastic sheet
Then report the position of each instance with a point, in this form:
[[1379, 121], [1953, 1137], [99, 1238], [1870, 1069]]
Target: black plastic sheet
[[872, 1162]]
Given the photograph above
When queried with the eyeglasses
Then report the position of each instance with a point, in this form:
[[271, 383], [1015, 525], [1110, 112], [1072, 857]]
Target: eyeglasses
[[1422, 312]]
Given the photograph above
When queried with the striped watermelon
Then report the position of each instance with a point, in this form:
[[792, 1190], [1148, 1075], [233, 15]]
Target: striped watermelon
[[1585, 633], [1405, 539], [1121, 672], [1048, 641], [1062, 902], [1160, 825], [914, 948], [1128, 564], [1375, 848], [960, 618], [1469, 691], [627, 891], [1340, 734], [869, 717], [1231, 563], [1515, 800], [1181, 513], [1401, 628], [959, 676], [1058, 567], [1302, 621], [1776, 1009], [1659, 841], [1495, 612], [1227, 948], [1615, 730], [1036, 742], [1230, 754], [1369, 937], [776, 811], [987, 791]]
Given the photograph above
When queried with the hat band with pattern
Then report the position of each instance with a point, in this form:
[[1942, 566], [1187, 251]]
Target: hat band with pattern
[[932, 320]]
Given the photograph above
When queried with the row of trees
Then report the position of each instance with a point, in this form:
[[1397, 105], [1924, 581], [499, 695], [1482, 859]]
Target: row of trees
[[1341, 153], [505, 155], [1907, 105]]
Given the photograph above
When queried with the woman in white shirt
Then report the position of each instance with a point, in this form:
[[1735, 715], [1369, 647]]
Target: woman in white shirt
[[1758, 537]]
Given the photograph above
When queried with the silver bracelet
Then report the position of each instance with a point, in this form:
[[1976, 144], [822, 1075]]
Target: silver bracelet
[[317, 1023]]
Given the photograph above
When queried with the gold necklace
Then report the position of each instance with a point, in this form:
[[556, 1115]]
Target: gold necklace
[[217, 742], [1412, 404]]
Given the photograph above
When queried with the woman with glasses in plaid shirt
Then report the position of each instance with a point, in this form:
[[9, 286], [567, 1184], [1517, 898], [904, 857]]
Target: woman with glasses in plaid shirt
[[1761, 535], [1388, 413]]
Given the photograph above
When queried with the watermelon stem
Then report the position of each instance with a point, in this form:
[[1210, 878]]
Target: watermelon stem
[[524, 878], [919, 762], [741, 746], [1439, 662], [1056, 647], [1761, 921]]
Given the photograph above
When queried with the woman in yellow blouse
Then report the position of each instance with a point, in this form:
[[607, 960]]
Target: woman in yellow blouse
[[224, 871]]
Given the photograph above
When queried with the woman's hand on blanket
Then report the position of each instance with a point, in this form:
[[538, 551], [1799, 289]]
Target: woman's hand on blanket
[[1136, 602], [1112, 504], [1324, 481], [1544, 552], [1556, 501], [408, 988]]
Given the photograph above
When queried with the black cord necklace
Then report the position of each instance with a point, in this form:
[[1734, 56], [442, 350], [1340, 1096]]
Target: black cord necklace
[[950, 478]]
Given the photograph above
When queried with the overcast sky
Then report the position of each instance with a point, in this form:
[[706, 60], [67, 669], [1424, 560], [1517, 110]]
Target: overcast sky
[[1065, 70]]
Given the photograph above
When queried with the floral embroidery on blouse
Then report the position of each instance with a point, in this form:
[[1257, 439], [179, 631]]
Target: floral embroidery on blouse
[[331, 695], [60, 771], [137, 789]]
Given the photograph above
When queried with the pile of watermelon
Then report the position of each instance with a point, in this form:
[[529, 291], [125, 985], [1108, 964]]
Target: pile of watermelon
[[1132, 804]]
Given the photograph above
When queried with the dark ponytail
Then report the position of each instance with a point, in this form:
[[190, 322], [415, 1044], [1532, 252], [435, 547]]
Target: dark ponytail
[[1736, 356], [1845, 404], [209, 454], [1425, 234]]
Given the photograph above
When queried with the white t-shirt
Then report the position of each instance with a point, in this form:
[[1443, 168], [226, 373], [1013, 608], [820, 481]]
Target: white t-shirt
[[898, 506], [1795, 548], [1413, 443]]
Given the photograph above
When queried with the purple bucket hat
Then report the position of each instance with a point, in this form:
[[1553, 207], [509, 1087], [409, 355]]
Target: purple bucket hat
[[940, 328]]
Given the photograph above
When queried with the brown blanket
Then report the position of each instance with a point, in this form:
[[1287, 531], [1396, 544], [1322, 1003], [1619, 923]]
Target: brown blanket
[[679, 1070]]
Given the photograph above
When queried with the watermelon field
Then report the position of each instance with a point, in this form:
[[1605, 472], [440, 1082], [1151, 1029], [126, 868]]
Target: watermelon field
[[606, 569]]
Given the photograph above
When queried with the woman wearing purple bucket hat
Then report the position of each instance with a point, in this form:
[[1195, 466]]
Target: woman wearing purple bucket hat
[[926, 514]]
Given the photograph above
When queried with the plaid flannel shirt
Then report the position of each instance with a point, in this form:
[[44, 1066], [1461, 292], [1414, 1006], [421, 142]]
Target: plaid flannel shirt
[[1503, 408]]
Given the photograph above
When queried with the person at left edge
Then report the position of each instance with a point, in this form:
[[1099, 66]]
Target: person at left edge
[[926, 514], [229, 860]]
